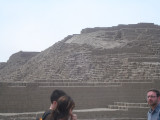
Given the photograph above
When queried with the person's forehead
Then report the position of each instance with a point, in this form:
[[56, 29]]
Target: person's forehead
[[151, 92]]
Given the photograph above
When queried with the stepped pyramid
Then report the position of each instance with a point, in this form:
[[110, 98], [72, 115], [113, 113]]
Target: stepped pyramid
[[121, 53], [116, 62]]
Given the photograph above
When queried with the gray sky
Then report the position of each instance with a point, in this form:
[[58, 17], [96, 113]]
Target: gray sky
[[35, 25]]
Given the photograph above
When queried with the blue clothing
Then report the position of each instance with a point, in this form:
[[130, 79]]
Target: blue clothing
[[154, 114]]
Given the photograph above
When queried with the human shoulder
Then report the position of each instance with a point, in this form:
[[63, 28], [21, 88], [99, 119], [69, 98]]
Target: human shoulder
[[46, 114], [158, 107], [48, 117]]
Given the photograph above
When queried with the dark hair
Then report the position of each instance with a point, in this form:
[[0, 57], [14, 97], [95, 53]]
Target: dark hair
[[156, 91], [56, 94], [64, 105]]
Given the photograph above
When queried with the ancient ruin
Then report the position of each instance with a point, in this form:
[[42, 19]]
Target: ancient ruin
[[106, 70]]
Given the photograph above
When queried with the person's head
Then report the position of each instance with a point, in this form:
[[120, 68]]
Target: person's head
[[65, 105], [153, 97], [56, 94]]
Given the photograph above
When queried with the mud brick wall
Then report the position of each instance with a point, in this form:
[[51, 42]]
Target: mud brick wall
[[35, 98]]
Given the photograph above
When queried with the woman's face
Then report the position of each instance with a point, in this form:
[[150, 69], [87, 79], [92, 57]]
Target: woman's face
[[73, 116], [71, 109], [70, 112]]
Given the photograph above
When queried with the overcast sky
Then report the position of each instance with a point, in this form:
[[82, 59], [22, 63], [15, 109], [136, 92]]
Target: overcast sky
[[35, 25]]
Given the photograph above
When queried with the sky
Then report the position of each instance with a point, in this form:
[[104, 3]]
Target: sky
[[35, 25]]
